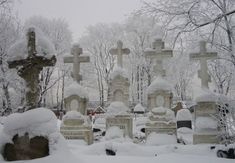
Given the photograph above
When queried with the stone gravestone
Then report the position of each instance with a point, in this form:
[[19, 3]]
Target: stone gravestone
[[75, 123], [206, 103], [117, 115], [118, 97], [29, 68], [119, 82], [159, 94], [184, 118], [72, 100]]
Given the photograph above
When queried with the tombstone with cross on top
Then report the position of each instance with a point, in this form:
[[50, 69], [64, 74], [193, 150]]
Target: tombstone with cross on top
[[206, 108]]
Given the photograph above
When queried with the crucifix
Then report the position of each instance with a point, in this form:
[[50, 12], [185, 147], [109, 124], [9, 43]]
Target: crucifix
[[119, 51], [76, 59], [159, 54], [203, 56], [30, 68]]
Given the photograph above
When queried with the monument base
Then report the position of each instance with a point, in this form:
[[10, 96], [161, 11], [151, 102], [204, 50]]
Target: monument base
[[77, 132], [205, 139]]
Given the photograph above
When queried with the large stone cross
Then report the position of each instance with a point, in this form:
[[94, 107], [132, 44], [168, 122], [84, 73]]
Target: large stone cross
[[203, 56], [119, 51], [76, 59], [30, 68], [159, 53]]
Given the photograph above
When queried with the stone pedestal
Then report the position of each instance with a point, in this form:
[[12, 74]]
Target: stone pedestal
[[124, 122], [76, 126], [161, 120], [159, 94], [207, 133]]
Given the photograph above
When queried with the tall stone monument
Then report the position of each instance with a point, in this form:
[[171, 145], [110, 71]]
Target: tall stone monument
[[119, 82], [206, 128], [29, 69], [76, 124], [75, 95], [29, 140], [159, 94], [118, 98]]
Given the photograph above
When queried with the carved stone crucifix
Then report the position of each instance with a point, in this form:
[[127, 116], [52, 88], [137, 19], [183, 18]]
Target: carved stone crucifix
[[30, 68]]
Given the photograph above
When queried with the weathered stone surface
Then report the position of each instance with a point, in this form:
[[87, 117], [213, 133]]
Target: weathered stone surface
[[30, 68], [25, 148], [205, 138]]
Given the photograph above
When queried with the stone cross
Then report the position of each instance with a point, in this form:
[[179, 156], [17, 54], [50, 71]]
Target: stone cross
[[159, 54], [76, 59], [30, 68], [203, 56], [119, 51]]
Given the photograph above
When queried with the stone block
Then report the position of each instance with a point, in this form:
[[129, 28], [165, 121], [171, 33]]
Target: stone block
[[25, 148]]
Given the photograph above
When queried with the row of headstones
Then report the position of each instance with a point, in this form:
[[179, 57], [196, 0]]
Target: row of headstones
[[158, 53]]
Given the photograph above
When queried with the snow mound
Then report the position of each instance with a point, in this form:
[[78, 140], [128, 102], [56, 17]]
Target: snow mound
[[160, 139], [159, 84], [117, 108], [39, 121], [168, 114], [184, 130], [206, 123], [75, 89], [73, 115], [19, 50], [183, 115], [139, 108], [113, 132], [118, 71], [159, 110]]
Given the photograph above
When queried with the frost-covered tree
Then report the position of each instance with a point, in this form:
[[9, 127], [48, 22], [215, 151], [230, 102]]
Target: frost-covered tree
[[210, 20], [140, 31], [99, 39], [226, 121], [9, 29]]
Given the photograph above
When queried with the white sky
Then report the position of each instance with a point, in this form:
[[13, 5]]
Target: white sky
[[78, 13]]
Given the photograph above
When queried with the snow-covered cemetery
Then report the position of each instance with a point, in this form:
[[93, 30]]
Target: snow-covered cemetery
[[85, 81]]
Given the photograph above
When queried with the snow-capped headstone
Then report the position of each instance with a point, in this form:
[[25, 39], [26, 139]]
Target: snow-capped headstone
[[117, 115], [76, 124], [159, 94], [76, 97], [158, 53], [30, 67], [206, 108], [184, 118], [119, 83]]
